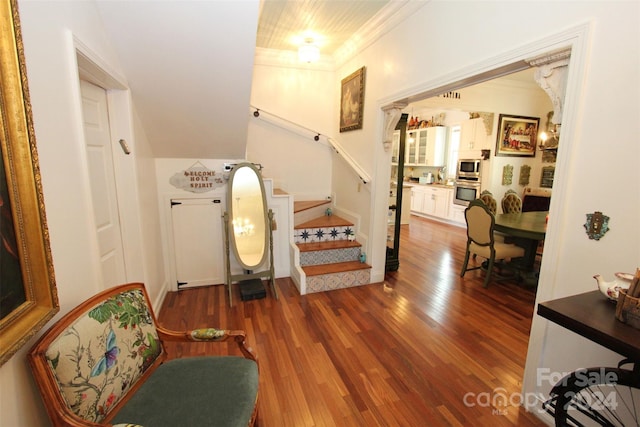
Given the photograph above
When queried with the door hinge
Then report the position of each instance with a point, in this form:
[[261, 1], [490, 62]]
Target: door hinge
[[175, 203]]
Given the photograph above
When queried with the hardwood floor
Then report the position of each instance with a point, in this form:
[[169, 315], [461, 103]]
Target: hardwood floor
[[424, 348]]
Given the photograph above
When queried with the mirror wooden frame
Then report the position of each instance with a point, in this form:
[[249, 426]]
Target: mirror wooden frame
[[269, 273], [22, 206]]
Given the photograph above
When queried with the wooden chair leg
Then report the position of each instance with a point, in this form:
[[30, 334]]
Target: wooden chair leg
[[465, 263], [488, 275]]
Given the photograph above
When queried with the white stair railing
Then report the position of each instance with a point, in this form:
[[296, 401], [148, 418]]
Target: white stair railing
[[304, 131], [364, 177]]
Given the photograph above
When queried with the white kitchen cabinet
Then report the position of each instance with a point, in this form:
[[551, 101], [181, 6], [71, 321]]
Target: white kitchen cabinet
[[406, 202], [417, 199], [411, 147], [473, 135], [436, 202], [431, 200], [427, 148], [457, 214]]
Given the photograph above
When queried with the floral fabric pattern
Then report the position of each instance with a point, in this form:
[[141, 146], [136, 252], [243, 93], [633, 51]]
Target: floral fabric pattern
[[98, 358]]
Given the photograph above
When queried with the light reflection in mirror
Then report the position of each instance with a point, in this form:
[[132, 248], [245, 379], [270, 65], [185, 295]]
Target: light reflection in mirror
[[249, 226]]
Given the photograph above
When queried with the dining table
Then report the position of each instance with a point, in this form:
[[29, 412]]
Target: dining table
[[527, 230]]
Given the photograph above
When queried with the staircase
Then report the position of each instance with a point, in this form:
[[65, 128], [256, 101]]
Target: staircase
[[329, 253]]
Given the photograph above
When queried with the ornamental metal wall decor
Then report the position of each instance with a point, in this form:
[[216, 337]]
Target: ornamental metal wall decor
[[525, 173], [597, 225], [507, 174]]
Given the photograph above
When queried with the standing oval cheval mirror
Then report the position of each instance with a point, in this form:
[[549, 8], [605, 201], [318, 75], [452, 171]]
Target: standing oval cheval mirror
[[248, 228]]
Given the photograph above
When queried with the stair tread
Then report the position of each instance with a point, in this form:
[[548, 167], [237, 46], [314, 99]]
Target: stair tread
[[335, 244], [303, 205], [340, 267], [324, 221]]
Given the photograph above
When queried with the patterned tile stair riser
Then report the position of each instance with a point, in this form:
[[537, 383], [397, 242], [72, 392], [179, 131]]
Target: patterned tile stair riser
[[330, 256], [329, 282], [324, 234]]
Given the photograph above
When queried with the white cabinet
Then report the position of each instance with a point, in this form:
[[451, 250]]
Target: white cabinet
[[457, 214], [406, 202], [417, 199], [198, 243], [436, 202], [473, 135], [426, 147], [431, 200], [411, 147]]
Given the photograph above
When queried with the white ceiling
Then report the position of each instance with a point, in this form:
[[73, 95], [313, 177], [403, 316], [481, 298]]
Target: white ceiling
[[284, 25]]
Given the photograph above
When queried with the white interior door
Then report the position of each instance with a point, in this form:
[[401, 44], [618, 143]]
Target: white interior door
[[198, 241], [103, 185]]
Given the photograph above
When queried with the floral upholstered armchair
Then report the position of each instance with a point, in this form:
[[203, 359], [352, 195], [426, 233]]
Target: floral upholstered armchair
[[104, 364]]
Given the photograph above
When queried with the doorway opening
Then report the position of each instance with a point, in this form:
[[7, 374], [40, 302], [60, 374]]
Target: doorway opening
[[460, 109], [574, 41]]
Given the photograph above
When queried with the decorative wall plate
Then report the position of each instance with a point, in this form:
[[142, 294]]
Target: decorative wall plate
[[507, 175], [525, 173]]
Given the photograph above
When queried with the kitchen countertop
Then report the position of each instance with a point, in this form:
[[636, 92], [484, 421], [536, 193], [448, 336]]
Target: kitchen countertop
[[417, 184], [404, 185]]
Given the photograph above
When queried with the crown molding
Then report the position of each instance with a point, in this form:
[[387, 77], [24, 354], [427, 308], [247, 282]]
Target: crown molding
[[390, 16]]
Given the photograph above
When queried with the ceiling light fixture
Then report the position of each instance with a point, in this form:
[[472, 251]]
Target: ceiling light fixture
[[309, 51]]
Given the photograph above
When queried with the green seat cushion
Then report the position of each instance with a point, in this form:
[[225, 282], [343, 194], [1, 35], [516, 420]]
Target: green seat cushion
[[195, 391]]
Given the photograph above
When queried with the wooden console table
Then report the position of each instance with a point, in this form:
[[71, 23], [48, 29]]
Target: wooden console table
[[592, 316]]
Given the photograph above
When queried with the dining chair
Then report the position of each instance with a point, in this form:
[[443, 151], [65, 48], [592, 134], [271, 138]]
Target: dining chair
[[536, 199], [481, 241], [487, 197], [511, 202]]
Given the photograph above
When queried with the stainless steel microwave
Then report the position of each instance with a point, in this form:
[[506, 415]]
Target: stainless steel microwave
[[469, 168]]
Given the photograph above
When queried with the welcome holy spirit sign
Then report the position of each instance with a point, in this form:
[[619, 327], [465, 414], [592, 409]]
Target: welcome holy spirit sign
[[197, 179]]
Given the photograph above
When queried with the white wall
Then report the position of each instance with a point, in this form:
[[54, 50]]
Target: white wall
[[48, 30], [297, 105]]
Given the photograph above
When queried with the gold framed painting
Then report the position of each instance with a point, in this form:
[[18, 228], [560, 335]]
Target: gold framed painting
[[352, 101], [28, 296], [517, 136]]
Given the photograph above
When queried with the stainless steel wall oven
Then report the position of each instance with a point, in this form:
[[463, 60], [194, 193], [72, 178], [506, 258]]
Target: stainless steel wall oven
[[466, 191], [467, 186]]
